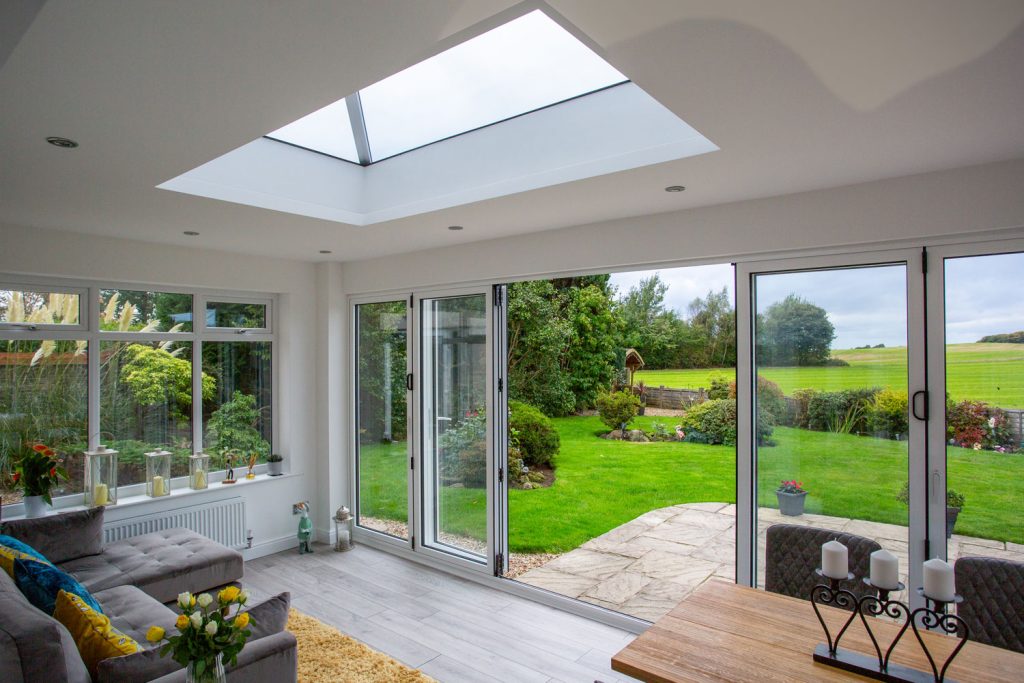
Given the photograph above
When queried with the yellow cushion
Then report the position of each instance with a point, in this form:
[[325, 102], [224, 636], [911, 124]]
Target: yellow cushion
[[8, 556], [95, 637]]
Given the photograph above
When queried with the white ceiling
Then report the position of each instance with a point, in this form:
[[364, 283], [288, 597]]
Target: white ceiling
[[799, 95]]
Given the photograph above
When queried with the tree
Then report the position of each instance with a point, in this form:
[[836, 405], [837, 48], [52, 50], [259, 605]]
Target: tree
[[589, 359], [712, 333], [794, 332], [648, 326], [538, 334], [234, 426]]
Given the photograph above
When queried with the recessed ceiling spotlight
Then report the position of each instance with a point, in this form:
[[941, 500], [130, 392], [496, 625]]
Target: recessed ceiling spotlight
[[62, 142], [325, 251], [455, 227], [674, 188], [190, 233]]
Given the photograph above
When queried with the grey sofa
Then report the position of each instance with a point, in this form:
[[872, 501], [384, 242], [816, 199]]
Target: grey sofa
[[131, 579]]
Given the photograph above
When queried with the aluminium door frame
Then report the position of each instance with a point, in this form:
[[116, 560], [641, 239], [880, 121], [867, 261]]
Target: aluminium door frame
[[746, 460]]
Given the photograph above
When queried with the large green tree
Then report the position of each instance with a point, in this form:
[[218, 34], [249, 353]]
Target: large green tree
[[589, 359], [648, 326], [538, 334], [794, 332]]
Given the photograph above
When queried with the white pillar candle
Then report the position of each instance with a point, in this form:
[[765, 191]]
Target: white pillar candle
[[885, 570], [158, 485], [100, 494], [939, 582], [834, 562]]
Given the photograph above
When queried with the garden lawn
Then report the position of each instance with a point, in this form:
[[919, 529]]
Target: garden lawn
[[602, 484], [993, 373]]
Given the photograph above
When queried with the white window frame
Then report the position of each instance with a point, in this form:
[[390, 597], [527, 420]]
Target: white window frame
[[28, 284], [89, 330]]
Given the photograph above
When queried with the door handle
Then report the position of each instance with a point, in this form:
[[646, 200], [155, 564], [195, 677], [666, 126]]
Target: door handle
[[913, 405]]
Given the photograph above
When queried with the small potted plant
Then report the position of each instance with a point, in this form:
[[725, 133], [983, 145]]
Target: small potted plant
[[274, 464], [641, 393], [37, 469], [954, 503], [791, 496]]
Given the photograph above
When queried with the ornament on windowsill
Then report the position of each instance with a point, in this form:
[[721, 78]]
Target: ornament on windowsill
[[252, 464], [229, 477]]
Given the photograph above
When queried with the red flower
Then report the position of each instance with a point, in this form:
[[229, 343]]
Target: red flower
[[39, 448], [49, 453], [53, 471], [16, 476]]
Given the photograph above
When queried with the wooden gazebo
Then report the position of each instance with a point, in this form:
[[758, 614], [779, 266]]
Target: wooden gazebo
[[634, 362]]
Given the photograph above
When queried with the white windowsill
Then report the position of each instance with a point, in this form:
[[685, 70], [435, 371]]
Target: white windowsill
[[179, 492]]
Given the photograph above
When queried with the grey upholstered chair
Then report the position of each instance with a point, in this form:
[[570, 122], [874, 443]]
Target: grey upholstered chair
[[993, 605], [793, 552]]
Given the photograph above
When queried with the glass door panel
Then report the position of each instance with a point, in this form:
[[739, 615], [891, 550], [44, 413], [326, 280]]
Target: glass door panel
[[456, 469], [984, 378], [382, 452], [832, 418]]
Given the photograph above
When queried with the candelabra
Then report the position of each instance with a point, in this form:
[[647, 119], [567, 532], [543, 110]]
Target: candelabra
[[880, 667]]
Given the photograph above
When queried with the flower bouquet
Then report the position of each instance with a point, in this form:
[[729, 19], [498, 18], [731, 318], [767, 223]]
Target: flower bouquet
[[208, 636]]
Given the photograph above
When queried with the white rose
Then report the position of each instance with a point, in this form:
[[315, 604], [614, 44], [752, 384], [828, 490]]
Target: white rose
[[211, 628], [184, 599], [243, 597], [204, 600], [197, 619]]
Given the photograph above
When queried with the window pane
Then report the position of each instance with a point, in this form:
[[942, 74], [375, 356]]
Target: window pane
[[226, 314], [383, 460], [128, 310], [38, 307], [146, 404], [327, 130], [43, 399], [237, 412], [526, 64], [831, 364]]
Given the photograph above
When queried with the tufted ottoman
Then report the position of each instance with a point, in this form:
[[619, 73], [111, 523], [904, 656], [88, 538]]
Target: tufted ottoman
[[162, 564]]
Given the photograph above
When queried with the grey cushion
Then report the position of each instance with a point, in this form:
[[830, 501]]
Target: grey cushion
[[163, 564], [34, 646], [793, 552], [270, 616], [993, 606], [62, 537], [132, 612]]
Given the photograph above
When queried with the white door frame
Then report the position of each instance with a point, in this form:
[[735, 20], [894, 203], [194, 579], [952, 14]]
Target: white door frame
[[746, 461]]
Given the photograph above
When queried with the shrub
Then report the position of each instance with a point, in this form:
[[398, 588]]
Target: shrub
[[618, 408], [836, 363], [722, 387], [770, 401], [888, 413], [464, 451], [803, 398], [714, 420], [954, 498], [844, 412], [538, 439], [975, 422]]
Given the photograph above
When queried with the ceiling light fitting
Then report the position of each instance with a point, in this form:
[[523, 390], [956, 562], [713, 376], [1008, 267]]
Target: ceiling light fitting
[[190, 233], [674, 188], [325, 251], [455, 227], [63, 143]]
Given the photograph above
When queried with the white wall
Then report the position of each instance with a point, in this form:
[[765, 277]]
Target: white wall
[[961, 201], [37, 252]]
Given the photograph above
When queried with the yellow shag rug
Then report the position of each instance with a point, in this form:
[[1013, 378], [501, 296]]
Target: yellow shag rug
[[328, 656]]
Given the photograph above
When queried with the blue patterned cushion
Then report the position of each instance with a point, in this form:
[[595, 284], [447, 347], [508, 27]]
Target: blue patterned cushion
[[40, 582], [15, 544]]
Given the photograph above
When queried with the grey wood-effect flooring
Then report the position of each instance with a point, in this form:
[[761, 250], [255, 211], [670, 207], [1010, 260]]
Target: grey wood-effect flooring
[[452, 629]]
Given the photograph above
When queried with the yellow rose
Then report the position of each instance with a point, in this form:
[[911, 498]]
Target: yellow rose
[[229, 594], [155, 634], [242, 620], [182, 622], [192, 601]]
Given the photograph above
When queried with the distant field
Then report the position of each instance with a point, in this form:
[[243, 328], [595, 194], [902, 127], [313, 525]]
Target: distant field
[[993, 373]]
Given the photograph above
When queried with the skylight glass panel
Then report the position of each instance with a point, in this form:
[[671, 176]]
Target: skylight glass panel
[[528, 63], [327, 130]]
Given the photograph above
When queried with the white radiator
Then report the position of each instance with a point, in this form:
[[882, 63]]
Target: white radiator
[[222, 520]]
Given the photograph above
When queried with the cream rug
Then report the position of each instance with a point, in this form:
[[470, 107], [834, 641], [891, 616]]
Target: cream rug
[[328, 656]]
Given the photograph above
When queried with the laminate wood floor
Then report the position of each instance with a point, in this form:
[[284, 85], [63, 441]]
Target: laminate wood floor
[[452, 629]]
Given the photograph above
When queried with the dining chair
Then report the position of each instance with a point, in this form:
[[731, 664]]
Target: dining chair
[[793, 552], [993, 606]]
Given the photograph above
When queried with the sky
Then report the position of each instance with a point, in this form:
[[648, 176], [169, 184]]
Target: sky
[[869, 305]]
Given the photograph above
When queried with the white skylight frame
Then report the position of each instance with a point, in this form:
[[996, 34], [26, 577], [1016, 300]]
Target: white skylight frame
[[519, 67]]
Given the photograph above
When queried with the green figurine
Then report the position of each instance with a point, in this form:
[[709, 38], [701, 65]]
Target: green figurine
[[305, 530]]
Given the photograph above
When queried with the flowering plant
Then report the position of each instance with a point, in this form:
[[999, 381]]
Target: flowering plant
[[206, 631], [37, 469], [791, 486]]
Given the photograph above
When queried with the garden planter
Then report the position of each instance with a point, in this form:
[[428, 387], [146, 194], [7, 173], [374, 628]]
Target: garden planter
[[642, 409], [951, 515], [35, 506], [274, 468], [791, 504]]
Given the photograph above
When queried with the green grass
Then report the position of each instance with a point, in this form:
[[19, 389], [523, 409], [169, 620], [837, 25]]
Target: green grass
[[993, 373], [602, 484]]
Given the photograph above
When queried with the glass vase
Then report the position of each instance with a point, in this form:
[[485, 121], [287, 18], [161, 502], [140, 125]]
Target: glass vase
[[211, 672]]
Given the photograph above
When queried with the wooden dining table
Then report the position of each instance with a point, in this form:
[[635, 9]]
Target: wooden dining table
[[725, 632]]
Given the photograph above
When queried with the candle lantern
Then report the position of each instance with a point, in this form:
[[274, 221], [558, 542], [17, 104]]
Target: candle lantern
[[198, 471], [101, 476], [158, 474], [343, 523]]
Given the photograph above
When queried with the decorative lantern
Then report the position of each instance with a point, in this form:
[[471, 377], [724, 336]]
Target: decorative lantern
[[198, 471], [343, 522], [158, 474], [101, 476]]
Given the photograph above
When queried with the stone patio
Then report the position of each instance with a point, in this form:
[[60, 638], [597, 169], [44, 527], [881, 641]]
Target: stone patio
[[646, 566]]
